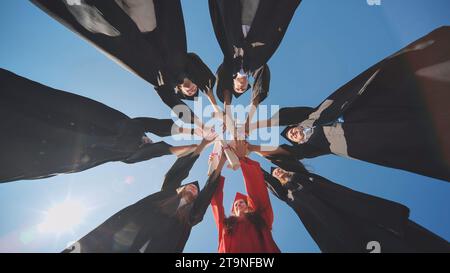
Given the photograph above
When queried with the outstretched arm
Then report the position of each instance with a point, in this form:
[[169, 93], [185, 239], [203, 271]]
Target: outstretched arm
[[260, 92], [181, 168], [217, 206], [254, 182], [284, 117], [206, 194], [256, 189], [267, 150], [159, 127], [149, 151], [178, 172], [298, 151]]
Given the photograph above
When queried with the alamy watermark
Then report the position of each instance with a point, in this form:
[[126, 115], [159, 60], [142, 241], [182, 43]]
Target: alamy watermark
[[373, 2], [232, 125]]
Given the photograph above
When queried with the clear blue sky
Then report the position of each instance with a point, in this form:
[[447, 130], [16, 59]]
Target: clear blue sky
[[328, 43]]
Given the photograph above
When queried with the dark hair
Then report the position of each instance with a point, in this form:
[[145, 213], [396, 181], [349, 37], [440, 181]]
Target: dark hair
[[254, 218]]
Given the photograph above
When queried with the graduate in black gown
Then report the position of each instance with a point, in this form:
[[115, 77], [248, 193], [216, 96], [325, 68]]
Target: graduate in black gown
[[394, 114], [161, 222], [147, 37], [45, 132], [248, 32], [342, 220]]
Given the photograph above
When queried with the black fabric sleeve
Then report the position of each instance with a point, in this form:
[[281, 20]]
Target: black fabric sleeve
[[226, 21], [261, 84], [178, 172], [169, 97], [203, 200], [159, 127], [274, 186], [423, 240], [201, 75], [129, 49], [149, 151], [293, 115], [303, 151], [288, 163]]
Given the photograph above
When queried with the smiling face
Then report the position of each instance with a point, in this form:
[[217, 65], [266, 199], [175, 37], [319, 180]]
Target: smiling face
[[282, 175], [188, 88], [295, 134], [240, 84], [240, 206]]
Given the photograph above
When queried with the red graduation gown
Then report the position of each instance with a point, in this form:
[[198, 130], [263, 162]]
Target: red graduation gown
[[245, 237]]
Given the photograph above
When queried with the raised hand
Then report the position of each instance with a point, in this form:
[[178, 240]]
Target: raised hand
[[209, 134], [240, 148]]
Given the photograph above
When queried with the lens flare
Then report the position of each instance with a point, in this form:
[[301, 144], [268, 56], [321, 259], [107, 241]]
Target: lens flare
[[63, 217]]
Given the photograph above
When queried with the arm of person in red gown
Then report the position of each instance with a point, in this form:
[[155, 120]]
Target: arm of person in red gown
[[217, 206], [256, 189]]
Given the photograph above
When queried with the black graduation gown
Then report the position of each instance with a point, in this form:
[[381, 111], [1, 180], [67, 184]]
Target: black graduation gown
[[155, 223], [160, 57], [266, 33], [395, 113], [342, 220], [44, 132]]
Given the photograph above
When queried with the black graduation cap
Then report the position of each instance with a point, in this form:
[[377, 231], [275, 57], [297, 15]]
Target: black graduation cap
[[287, 163], [272, 169], [195, 183]]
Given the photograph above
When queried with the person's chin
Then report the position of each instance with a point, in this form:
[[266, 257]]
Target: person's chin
[[192, 92]]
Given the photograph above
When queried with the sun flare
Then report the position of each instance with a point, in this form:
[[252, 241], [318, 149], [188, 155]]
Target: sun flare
[[63, 217]]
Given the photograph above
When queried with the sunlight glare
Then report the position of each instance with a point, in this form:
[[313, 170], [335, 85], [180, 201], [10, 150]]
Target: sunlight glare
[[63, 217]]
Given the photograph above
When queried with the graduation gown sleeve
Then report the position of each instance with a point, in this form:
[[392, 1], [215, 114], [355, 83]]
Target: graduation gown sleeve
[[149, 151], [105, 25], [424, 241], [64, 139], [403, 93], [217, 207], [293, 115], [267, 31], [226, 21], [261, 84], [257, 192], [159, 127], [303, 151], [204, 198], [199, 73], [170, 35], [178, 172]]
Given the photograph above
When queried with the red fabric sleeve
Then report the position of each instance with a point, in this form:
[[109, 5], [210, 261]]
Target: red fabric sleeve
[[217, 206], [256, 189]]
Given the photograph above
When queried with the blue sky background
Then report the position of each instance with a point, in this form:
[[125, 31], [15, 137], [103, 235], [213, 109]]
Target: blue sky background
[[327, 44]]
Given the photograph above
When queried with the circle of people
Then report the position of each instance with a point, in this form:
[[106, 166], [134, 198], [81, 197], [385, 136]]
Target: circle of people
[[403, 96]]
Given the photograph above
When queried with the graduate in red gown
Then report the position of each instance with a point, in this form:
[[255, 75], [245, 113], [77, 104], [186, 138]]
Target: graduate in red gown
[[249, 228]]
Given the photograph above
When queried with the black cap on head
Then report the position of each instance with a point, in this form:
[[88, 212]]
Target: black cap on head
[[195, 183]]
